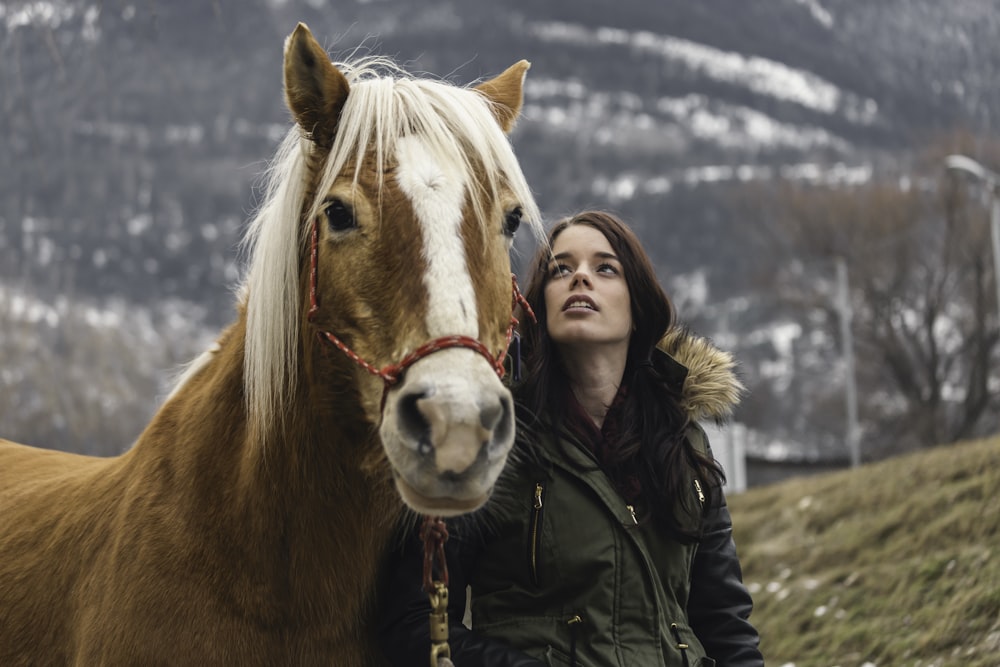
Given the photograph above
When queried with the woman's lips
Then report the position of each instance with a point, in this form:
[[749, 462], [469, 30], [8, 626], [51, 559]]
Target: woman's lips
[[574, 301]]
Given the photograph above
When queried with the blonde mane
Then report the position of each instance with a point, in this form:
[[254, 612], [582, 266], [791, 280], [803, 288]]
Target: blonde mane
[[384, 104]]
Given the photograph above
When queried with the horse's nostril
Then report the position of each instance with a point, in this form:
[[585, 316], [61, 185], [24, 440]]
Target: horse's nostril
[[424, 448], [491, 416], [503, 427], [413, 422], [450, 430]]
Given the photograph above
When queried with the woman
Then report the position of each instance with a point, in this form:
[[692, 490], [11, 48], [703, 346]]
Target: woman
[[607, 541]]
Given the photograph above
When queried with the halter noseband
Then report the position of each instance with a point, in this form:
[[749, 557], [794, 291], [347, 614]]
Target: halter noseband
[[393, 373]]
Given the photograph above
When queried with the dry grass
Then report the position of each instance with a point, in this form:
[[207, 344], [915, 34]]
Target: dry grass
[[894, 563]]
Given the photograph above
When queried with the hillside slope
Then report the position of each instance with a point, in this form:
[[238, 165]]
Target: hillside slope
[[891, 564]]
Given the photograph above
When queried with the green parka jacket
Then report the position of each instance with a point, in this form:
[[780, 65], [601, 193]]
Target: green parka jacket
[[559, 567]]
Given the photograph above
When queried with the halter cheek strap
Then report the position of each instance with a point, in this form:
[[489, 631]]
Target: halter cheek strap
[[393, 373]]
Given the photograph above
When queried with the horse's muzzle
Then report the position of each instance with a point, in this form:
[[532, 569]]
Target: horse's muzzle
[[447, 432]]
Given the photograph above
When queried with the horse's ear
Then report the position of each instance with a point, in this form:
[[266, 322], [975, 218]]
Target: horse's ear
[[315, 90], [506, 92]]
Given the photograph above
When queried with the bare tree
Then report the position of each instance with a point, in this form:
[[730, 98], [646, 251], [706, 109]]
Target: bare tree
[[925, 324]]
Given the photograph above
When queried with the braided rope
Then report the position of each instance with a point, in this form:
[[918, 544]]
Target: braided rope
[[434, 535]]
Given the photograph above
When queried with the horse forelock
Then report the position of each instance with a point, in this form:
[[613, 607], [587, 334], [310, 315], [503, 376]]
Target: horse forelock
[[454, 125]]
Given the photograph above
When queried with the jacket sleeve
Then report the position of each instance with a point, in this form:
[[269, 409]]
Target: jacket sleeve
[[719, 604], [404, 631]]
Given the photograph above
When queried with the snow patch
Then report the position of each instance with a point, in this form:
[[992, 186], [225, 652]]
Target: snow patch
[[758, 74], [818, 12]]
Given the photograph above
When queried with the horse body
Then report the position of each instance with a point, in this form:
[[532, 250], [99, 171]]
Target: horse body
[[246, 524], [170, 554]]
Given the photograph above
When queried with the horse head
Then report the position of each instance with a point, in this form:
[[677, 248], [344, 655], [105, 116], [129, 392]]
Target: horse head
[[410, 197]]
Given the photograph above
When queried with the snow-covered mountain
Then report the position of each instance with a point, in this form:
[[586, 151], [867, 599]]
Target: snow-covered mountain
[[131, 133]]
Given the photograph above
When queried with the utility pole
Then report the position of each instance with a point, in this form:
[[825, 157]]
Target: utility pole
[[847, 348], [992, 181]]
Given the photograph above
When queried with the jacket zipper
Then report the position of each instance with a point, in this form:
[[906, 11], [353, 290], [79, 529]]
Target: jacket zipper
[[536, 530], [701, 494], [694, 549], [631, 510], [574, 625], [681, 645]]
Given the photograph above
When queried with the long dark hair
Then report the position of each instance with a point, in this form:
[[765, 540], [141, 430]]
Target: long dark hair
[[650, 436]]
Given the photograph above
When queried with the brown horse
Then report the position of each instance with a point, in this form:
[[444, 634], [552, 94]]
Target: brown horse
[[245, 525]]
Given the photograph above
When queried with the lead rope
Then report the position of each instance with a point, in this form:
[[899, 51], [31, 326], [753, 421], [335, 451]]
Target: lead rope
[[434, 534]]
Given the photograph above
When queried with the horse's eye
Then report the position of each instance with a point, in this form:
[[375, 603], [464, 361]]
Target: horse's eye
[[512, 221], [339, 216]]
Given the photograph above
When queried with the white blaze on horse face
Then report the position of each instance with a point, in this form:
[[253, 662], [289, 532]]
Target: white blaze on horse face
[[448, 426], [437, 191]]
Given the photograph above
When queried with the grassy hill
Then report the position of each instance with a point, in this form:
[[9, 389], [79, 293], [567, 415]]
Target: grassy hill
[[895, 563]]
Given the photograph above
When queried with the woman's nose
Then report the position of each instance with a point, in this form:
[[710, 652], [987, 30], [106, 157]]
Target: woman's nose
[[581, 275]]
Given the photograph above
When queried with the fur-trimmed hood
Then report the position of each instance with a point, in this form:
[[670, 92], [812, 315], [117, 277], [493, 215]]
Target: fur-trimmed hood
[[711, 389]]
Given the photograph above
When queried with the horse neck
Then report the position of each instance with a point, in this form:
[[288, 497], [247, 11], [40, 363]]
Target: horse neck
[[297, 523], [317, 471]]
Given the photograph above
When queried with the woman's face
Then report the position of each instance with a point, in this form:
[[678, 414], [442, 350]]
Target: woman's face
[[586, 297]]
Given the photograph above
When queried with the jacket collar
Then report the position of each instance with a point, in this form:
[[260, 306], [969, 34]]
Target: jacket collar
[[706, 375]]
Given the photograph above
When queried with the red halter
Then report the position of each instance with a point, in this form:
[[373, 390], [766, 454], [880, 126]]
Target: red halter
[[393, 373]]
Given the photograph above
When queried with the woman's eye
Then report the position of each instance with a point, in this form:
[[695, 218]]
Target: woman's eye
[[512, 221], [339, 216], [559, 270], [607, 268]]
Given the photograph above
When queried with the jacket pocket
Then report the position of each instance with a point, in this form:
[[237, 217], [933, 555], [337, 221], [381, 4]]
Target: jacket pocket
[[690, 649], [556, 658], [535, 533]]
